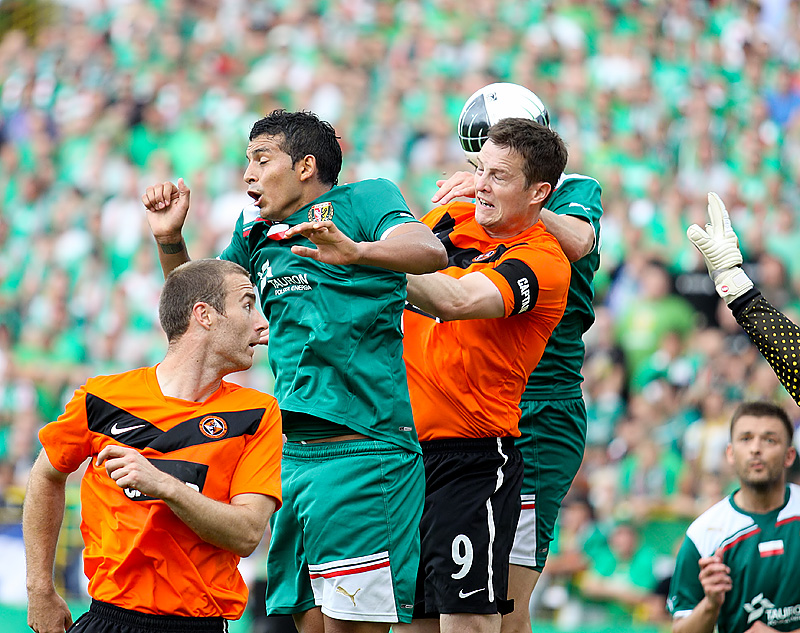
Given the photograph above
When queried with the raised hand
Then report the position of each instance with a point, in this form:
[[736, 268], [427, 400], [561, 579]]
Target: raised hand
[[167, 205], [715, 576], [719, 246]]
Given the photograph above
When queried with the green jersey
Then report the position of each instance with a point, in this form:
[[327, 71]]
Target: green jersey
[[762, 551], [335, 346], [558, 374]]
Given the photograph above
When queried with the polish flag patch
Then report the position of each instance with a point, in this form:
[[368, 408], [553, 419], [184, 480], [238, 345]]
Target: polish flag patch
[[770, 548]]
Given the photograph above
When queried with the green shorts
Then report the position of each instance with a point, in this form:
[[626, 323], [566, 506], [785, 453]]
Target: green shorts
[[347, 536], [552, 444]]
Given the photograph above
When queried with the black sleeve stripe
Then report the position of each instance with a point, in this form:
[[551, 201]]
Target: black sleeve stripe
[[523, 282]]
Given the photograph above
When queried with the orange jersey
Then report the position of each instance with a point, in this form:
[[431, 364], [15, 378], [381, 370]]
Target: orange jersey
[[139, 555], [466, 377]]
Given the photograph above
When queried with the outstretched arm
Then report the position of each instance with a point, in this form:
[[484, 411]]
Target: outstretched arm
[[236, 526], [773, 333], [775, 336], [472, 296], [42, 516], [409, 248], [167, 205]]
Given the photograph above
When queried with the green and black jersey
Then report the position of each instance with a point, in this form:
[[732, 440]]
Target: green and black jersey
[[762, 551], [335, 331], [558, 374]]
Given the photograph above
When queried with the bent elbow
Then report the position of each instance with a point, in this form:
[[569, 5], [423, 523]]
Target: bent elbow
[[247, 544], [430, 260], [441, 257]]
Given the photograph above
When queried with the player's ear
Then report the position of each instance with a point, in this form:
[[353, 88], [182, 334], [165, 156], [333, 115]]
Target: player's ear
[[729, 453], [540, 191], [306, 167], [203, 314], [791, 455]]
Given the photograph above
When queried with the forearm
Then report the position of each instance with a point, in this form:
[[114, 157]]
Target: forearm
[[470, 297], [772, 333], [43, 513], [576, 236], [702, 619], [416, 252], [171, 253], [231, 526]]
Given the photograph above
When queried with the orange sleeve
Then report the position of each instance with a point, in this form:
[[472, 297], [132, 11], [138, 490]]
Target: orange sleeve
[[530, 276], [259, 467], [68, 441]]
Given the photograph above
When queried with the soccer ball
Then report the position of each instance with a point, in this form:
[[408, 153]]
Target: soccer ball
[[489, 105]]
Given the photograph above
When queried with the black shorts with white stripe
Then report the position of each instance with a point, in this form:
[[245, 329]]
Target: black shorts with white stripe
[[472, 505]]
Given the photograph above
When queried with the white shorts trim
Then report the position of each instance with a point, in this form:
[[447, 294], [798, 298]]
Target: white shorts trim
[[359, 589], [523, 552]]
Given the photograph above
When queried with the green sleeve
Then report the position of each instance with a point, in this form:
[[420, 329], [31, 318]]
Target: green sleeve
[[380, 206], [685, 590]]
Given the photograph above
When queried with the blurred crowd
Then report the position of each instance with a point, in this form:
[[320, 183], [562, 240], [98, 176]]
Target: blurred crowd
[[661, 101]]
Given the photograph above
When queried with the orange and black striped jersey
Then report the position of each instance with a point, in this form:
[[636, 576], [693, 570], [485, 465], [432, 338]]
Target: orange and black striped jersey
[[466, 377], [139, 555]]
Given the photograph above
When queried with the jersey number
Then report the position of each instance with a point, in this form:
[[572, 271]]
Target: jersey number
[[462, 555]]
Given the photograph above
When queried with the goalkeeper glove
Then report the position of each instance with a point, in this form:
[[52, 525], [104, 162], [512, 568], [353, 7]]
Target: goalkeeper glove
[[720, 249]]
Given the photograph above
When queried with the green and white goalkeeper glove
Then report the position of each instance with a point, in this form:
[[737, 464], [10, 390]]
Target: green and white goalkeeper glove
[[720, 249]]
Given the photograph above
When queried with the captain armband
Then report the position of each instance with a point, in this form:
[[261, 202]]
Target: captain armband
[[523, 282]]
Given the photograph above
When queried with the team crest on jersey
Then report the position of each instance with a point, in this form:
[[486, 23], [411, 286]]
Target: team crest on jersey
[[321, 212], [213, 426], [483, 256]]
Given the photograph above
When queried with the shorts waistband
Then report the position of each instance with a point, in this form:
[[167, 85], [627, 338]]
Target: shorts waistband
[[317, 450], [468, 444], [154, 622]]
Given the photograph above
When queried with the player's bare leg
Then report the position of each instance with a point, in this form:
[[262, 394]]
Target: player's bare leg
[[314, 621], [309, 621], [420, 625], [350, 626], [521, 582], [471, 622]]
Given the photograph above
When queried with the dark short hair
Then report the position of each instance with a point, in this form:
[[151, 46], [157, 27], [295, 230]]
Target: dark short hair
[[198, 281], [543, 152], [763, 409], [303, 133]]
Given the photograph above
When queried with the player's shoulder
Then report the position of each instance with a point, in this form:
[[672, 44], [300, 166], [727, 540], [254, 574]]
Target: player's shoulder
[[576, 194], [792, 508], [538, 248], [720, 524], [105, 383], [577, 180], [370, 187], [256, 399], [459, 210], [576, 187]]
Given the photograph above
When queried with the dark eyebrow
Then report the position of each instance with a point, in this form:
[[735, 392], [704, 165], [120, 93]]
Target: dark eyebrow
[[250, 295], [255, 151]]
